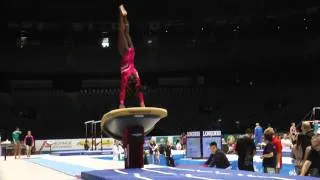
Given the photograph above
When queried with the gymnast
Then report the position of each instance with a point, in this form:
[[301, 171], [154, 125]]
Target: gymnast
[[129, 74]]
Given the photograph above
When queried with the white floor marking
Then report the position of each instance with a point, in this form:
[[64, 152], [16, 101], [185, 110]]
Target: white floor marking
[[137, 175], [160, 172], [197, 177], [181, 169], [204, 171], [120, 172], [269, 177], [218, 172]]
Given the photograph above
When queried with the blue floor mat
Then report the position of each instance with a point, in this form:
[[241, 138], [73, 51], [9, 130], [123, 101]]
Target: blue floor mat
[[179, 173], [69, 169]]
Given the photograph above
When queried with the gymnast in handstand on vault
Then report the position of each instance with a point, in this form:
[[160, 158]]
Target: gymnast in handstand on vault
[[129, 74]]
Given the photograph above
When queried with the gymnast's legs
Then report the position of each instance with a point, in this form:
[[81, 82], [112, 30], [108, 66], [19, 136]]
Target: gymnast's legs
[[130, 74]]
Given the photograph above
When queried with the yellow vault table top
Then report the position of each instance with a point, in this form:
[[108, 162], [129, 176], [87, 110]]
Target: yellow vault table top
[[114, 122]]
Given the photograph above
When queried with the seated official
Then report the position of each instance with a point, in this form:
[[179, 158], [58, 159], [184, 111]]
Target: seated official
[[217, 158]]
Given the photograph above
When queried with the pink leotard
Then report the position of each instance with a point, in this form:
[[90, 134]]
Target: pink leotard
[[127, 69]]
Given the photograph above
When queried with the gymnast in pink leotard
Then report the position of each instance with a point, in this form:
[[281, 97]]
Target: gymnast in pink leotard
[[127, 68]]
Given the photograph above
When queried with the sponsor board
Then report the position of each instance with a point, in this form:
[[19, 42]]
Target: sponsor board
[[70, 144]]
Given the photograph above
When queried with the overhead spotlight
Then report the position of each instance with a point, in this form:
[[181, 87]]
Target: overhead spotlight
[[105, 42], [278, 27], [304, 19], [202, 28], [234, 30], [238, 27], [166, 30], [306, 27], [22, 39], [150, 40]]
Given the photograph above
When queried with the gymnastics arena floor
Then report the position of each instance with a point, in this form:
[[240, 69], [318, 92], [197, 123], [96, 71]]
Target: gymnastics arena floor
[[52, 167]]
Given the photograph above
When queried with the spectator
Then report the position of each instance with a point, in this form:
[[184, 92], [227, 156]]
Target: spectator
[[169, 158], [269, 154], [277, 143], [117, 150], [231, 140], [145, 157], [258, 134], [307, 130], [156, 156], [217, 158], [286, 142], [312, 165], [178, 145], [300, 152], [293, 130], [162, 147], [29, 143], [183, 140], [246, 149], [16, 137], [86, 145], [152, 148]]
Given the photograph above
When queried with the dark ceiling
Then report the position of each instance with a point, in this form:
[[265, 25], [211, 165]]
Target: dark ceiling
[[59, 30], [156, 9]]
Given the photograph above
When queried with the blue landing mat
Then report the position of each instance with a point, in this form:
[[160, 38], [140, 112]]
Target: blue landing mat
[[182, 173], [81, 152], [287, 169], [70, 169]]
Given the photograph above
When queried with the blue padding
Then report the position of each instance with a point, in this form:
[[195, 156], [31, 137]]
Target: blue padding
[[82, 152], [178, 173], [72, 170], [105, 158], [287, 169]]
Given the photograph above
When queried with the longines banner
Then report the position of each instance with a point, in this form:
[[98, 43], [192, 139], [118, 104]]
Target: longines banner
[[70, 144]]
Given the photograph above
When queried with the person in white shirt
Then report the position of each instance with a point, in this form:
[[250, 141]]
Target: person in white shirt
[[178, 145], [117, 150], [286, 142]]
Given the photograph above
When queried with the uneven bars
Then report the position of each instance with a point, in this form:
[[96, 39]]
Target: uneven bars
[[92, 121], [316, 108]]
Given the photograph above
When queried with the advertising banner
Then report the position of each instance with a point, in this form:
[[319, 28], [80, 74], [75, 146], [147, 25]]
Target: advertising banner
[[193, 144], [207, 138], [70, 144]]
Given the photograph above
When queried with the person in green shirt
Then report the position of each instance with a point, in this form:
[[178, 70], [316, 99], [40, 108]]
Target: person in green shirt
[[16, 138]]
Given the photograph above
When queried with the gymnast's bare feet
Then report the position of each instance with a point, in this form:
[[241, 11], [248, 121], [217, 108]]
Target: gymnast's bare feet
[[123, 10], [121, 106], [142, 105]]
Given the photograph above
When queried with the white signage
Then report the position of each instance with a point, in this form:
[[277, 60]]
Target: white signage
[[193, 134], [70, 144], [211, 133]]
